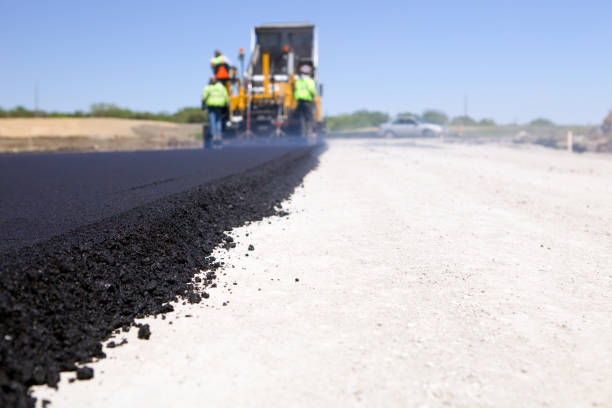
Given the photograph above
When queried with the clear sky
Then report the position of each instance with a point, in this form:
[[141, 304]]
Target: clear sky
[[515, 60]]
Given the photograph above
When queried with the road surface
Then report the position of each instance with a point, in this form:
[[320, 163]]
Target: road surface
[[44, 195], [409, 273]]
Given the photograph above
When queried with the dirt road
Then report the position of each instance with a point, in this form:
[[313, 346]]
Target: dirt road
[[429, 275]]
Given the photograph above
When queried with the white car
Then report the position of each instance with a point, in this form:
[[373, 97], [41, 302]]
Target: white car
[[410, 127]]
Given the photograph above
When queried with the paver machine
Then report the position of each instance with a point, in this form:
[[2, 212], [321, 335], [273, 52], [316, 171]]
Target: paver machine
[[261, 96]]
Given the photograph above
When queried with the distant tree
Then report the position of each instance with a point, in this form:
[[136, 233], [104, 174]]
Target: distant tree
[[486, 122], [104, 110], [464, 120], [109, 110], [21, 112], [541, 122], [190, 115], [356, 120], [434, 116], [407, 115]]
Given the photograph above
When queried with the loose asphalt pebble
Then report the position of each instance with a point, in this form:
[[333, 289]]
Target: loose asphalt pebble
[[144, 332], [84, 373]]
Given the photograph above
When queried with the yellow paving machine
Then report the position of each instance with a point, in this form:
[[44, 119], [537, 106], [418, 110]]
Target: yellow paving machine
[[261, 96]]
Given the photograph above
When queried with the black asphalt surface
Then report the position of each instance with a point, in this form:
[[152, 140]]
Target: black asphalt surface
[[144, 224], [43, 195]]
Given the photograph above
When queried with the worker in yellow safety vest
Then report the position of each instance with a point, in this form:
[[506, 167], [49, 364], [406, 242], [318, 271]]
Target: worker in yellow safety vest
[[304, 92], [220, 66], [215, 100]]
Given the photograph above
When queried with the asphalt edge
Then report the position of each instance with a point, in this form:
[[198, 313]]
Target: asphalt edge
[[60, 299]]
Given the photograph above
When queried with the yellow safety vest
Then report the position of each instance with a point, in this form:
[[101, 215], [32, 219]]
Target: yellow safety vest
[[305, 89], [215, 95]]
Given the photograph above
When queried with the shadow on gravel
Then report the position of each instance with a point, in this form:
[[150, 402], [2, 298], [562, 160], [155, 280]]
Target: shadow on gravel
[[60, 299]]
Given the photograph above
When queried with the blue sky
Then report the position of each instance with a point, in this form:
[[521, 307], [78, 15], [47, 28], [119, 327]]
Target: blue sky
[[516, 60]]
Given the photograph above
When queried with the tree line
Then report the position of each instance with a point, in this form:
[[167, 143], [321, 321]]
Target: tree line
[[358, 119], [365, 118], [109, 110]]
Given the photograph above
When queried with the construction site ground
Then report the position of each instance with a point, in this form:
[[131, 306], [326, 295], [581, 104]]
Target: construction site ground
[[408, 273], [94, 134]]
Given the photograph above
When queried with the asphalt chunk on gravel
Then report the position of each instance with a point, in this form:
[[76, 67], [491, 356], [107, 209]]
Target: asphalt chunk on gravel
[[61, 298], [84, 373], [144, 332]]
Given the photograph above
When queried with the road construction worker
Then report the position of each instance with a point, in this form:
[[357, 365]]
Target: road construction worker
[[220, 66], [304, 92], [215, 100]]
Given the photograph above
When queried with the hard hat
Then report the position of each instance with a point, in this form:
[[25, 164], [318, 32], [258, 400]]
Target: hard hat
[[305, 69]]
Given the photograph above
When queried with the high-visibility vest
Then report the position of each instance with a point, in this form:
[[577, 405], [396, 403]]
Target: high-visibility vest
[[221, 67], [305, 89], [215, 95]]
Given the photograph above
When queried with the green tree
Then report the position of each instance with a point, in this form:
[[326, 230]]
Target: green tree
[[190, 115], [486, 122], [464, 120], [21, 112], [541, 122], [109, 110], [356, 120], [407, 115], [434, 116]]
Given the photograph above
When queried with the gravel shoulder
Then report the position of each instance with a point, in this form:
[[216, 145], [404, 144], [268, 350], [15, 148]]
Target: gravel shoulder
[[408, 273]]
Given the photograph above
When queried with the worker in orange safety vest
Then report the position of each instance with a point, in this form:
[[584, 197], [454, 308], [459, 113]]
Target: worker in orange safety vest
[[220, 66]]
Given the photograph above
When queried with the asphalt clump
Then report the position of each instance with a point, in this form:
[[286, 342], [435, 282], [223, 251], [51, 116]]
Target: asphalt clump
[[84, 373], [60, 299], [144, 332]]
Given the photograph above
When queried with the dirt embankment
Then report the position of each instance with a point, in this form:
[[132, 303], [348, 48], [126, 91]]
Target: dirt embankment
[[94, 134]]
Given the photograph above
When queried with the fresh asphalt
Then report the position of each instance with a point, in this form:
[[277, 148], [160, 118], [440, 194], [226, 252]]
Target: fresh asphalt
[[44, 195], [62, 297]]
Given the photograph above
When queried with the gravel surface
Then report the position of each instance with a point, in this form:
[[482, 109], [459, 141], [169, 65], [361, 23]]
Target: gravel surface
[[60, 298], [407, 274]]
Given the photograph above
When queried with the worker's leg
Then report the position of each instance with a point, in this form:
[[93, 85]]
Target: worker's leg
[[309, 118], [214, 121], [302, 114], [223, 118], [207, 136], [307, 115]]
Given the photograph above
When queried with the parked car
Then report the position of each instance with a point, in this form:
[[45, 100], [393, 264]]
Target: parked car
[[410, 127]]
